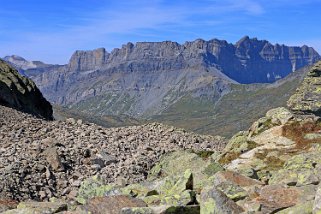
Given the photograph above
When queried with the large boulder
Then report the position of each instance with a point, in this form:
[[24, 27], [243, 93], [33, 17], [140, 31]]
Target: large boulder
[[39, 207], [21, 93], [299, 170], [215, 201], [110, 204], [307, 98], [176, 163]]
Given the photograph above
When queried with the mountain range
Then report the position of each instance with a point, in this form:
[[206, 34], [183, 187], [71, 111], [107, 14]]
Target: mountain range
[[189, 85]]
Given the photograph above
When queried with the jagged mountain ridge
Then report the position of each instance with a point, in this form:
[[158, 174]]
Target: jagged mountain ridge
[[145, 79]]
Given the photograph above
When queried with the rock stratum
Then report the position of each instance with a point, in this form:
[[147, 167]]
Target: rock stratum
[[21, 93]]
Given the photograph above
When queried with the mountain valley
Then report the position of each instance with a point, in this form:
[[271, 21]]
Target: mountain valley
[[188, 85]]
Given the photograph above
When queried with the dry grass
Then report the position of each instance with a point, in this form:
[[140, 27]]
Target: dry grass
[[297, 131]]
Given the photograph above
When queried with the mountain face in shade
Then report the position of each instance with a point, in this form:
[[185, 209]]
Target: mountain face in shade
[[146, 78], [21, 93]]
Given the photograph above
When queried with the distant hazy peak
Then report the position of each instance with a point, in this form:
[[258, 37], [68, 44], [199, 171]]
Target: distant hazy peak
[[21, 63]]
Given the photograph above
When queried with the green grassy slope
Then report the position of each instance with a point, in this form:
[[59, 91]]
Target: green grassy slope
[[235, 111]]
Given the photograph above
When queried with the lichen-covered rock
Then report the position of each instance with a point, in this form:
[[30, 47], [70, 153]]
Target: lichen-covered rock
[[92, 187], [111, 204], [299, 170], [234, 185], [238, 144], [274, 117], [214, 201], [317, 201], [178, 162], [304, 208], [21, 93], [39, 207], [279, 115], [140, 190], [175, 191], [307, 98], [194, 209]]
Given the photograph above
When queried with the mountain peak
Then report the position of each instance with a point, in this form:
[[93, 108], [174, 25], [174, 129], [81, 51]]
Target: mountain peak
[[87, 60], [21, 63], [243, 40]]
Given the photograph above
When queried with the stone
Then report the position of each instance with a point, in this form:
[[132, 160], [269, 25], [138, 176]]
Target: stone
[[7, 205], [214, 201], [194, 209], [92, 187], [53, 159], [317, 201], [279, 115], [276, 197], [299, 170], [39, 207], [235, 178], [305, 208], [234, 185], [201, 169], [71, 120], [111, 204], [312, 136]]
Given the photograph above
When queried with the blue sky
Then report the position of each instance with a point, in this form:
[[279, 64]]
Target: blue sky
[[52, 30]]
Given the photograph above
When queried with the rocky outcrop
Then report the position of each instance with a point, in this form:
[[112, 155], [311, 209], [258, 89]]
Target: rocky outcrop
[[88, 60], [307, 97], [21, 93]]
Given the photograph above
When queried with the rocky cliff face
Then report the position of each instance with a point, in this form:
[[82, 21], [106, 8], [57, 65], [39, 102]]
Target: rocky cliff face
[[21, 93], [247, 61], [146, 78], [87, 60]]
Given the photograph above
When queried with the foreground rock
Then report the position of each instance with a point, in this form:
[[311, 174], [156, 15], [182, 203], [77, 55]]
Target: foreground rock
[[21, 93], [38, 207], [308, 96], [110, 205], [42, 159]]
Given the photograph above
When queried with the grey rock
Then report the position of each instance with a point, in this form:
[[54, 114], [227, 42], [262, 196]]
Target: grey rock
[[54, 163], [215, 201]]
